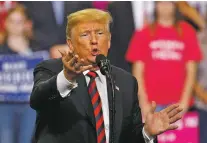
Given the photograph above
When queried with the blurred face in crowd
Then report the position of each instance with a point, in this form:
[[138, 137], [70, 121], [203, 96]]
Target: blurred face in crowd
[[90, 39], [16, 23], [165, 8]]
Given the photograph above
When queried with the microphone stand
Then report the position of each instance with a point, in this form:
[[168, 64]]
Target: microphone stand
[[112, 109], [105, 69]]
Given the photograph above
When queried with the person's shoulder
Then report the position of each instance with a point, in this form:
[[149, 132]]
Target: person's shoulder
[[185, 25], [144, 31], [187, 29], [145, 28], [49, 63], [122, 73], [54, 65]]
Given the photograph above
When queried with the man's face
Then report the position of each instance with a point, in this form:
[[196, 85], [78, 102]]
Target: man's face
[[90, 39]]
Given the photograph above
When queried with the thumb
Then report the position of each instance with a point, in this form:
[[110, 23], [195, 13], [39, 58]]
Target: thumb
[[153, 107]]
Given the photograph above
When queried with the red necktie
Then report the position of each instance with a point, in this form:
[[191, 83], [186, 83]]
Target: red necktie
[[97, 107]]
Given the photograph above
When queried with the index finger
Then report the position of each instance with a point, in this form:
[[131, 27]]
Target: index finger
[[65, 54], [170, 108]]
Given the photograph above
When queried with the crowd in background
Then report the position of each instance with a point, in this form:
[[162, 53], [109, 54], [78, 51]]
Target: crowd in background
[[163, 44]]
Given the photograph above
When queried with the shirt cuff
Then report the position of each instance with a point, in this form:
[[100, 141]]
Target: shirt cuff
[[148, 139], [64, 86]]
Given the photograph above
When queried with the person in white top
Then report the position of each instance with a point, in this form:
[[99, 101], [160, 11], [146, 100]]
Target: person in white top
[[65, 111]]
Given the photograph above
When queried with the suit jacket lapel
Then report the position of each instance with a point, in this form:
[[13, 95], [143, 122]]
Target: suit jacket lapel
[[118, 106], [81, 92]]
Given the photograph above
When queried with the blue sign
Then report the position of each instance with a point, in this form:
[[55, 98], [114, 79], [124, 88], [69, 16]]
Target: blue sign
[[16, 77]]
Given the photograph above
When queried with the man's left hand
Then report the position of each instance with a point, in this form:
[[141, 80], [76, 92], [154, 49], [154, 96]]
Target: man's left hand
[[159, 122]]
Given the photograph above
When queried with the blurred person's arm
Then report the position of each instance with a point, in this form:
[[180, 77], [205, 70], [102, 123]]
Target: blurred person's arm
[[200, 92], [192, 14], [192, 56], [138, 72], [54, 50], [188, 84]]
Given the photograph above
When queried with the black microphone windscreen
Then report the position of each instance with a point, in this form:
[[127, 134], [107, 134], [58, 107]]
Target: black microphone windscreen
[[99, 58]]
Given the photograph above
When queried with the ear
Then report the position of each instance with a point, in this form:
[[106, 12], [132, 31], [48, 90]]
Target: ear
[[109, 41], [70, 45]]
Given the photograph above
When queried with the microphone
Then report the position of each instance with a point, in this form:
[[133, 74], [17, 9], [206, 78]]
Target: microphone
[[104, 64]]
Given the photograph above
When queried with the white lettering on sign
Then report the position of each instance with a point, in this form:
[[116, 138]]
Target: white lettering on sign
[[13, 66], [16, 77], [171, 137], [191, 122]]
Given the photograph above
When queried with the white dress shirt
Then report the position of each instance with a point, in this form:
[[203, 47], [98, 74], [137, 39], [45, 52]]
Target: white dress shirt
[[63, 87]]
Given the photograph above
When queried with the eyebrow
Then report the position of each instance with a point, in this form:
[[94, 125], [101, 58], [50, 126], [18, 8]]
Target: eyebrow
[[87, 31]]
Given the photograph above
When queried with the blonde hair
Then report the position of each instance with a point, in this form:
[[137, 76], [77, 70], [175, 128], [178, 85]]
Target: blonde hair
[[87, 15]]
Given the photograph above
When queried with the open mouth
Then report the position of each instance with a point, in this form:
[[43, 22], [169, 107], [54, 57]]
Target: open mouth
[[95, 52]]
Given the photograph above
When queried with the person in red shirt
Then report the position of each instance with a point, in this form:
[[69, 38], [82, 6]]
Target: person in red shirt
[[164, 56]]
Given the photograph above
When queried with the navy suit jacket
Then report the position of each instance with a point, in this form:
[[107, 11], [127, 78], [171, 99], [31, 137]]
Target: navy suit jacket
[[71, 119]]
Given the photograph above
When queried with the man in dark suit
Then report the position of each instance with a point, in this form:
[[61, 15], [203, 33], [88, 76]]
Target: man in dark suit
[[72, 98], [50, 19]]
